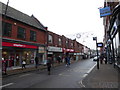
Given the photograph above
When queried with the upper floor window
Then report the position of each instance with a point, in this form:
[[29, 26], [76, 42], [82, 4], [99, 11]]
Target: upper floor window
[[72, 45], [67, 43], [60, 41], [32, 35], [21, 33], [6, 29], [50, 39]]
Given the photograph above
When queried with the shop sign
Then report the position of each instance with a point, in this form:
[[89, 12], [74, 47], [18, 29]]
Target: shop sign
[[41, 50], [54, 49], [77, 53], [64, 50], [68, 50], [8, 44], [50, 52], [71, 50], [105, 11]]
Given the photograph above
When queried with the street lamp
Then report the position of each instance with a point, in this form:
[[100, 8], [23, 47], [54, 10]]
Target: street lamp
[[4, 25], [95, 39]]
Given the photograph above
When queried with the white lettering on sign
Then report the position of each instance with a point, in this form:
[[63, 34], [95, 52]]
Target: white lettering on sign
[[18, 45]]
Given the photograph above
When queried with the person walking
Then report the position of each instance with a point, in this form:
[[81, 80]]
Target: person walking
[[36, 62], [101, 58], [23, 64], [67, 60], [49, 65], [59, 59]]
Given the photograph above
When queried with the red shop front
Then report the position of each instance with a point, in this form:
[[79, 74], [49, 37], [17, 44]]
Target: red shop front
[[15, 53]]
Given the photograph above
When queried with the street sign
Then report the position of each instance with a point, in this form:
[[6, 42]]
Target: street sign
[[105, 11], [99, 44], [94, 38]]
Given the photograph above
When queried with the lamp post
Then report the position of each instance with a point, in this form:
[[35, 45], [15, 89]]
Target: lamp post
[[4, 25], [95, 39]]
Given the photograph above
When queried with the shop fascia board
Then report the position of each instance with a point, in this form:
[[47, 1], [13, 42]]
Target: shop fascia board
[[22, 42]]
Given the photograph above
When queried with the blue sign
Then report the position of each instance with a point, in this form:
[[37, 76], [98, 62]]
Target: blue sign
[[99, 44], [105, 11]]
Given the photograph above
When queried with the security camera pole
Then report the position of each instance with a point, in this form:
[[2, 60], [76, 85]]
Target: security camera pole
[[95, 38]]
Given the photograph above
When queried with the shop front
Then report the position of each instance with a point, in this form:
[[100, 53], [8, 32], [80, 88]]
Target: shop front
[[77, 56], [69, 52], [15, 53], [41, 54], [55, 52]]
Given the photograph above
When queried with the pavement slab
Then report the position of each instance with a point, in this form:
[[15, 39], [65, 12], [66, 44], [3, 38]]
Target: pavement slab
[[106, 77]]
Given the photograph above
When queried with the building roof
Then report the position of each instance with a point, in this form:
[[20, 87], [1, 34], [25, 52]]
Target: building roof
[[17, 15]]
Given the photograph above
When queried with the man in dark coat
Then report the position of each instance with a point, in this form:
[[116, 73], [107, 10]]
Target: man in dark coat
[[36, 62], [49, 65]]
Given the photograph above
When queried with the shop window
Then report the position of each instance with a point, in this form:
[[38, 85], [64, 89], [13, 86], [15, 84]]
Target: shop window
[[21, 33], [32, 35], [60, 41], [50, 39], [7, 28]]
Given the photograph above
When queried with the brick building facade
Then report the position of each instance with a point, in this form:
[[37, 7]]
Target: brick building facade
[[23, 37]]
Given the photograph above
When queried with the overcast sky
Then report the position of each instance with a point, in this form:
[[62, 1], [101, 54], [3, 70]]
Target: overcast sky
[[66, 17]]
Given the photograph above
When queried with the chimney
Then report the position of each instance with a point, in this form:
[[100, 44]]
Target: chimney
[[46, 28]]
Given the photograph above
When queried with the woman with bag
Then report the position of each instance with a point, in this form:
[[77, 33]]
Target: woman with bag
[[23, 64]]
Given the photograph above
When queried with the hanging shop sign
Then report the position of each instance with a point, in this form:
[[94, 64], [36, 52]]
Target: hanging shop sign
[[8, 44], [105, 11]]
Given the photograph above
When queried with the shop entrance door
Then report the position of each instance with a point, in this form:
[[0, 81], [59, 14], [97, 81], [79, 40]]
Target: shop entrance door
[[40, 57], [18, 59], [12, 58]]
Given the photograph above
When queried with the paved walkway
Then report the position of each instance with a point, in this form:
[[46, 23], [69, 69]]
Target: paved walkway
[[29, 68], [106, 77]]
